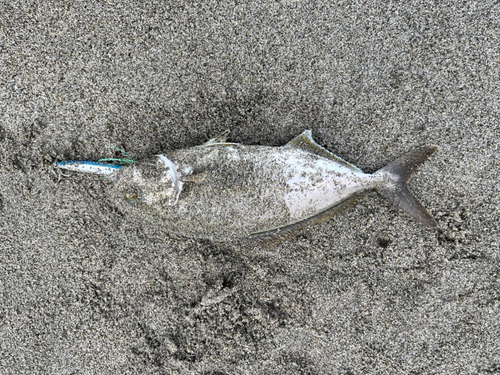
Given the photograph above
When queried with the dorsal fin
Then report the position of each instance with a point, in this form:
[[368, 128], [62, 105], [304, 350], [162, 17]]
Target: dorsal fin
[[305, 142], [221, 138]]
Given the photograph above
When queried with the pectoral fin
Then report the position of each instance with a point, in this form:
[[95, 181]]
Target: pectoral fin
[[195, 177]]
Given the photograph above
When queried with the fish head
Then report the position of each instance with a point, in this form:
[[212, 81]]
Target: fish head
[[154, 182]]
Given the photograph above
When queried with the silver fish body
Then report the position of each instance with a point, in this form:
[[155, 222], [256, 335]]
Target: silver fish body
[[223, 191]]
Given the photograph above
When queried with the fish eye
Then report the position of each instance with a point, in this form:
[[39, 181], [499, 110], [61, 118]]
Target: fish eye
[[131, 196]]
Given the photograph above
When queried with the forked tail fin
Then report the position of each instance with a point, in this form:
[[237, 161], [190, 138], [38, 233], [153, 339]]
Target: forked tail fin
[[399, 171]]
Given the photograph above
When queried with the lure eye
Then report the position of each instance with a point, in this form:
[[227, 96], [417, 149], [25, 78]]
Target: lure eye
[[131, 197]]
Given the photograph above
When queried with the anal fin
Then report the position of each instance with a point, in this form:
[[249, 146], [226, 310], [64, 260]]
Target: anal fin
[[274, 237]]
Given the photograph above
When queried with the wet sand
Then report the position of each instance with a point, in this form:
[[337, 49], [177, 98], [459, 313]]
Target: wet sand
[[85, 289]]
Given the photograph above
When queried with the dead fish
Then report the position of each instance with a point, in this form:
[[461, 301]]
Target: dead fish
[[223, 191]]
